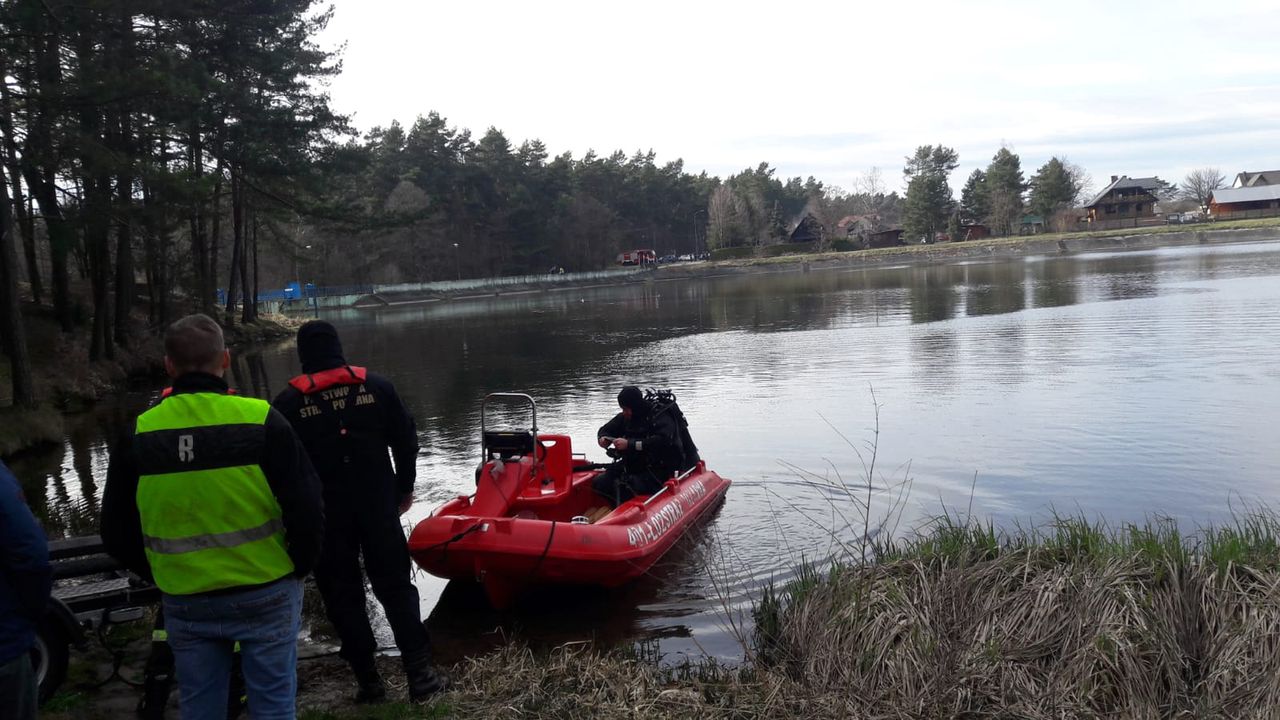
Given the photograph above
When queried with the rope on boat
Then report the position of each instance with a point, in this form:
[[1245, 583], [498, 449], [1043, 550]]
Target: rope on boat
[[534, 570], [445, 543]]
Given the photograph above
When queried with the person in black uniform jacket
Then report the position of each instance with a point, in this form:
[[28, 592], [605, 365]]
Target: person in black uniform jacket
[[347, 419], [647, 445]]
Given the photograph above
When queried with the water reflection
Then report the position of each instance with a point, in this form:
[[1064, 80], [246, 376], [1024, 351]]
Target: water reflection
[[63, 482], [934, 293], [995, 288], [1122, 384], [1054, 283]]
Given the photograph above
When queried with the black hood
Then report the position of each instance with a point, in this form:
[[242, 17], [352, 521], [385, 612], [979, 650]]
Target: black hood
[[319, 347], [631, 397]]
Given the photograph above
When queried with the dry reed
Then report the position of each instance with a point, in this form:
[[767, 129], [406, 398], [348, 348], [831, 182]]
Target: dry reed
[[1078, 621]]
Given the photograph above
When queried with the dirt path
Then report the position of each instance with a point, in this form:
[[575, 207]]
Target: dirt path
[[325, 686]]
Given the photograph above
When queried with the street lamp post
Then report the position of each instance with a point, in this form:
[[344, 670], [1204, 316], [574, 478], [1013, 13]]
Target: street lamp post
[[457, 265]]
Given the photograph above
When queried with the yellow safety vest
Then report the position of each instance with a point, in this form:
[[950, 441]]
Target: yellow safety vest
[[209, 518]]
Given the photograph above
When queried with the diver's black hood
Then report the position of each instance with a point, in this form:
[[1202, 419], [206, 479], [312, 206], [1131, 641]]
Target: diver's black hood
[[631, 397], [319, 347]]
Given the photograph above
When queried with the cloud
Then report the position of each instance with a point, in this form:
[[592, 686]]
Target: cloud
[[831, 90]]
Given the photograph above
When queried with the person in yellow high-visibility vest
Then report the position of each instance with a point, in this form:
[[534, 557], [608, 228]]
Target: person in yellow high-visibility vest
[[214, 499]]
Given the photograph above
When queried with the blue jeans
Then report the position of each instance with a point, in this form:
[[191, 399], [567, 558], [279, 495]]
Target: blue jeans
[[203, 630]]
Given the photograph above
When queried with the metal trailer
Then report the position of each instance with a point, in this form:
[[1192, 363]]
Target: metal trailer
[[91, 592]]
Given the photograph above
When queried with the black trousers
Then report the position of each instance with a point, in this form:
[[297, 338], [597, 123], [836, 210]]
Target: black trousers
[[367, 528], [618, 484]]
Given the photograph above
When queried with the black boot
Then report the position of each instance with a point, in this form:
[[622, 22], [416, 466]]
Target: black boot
[[424, 680], [369, 686]]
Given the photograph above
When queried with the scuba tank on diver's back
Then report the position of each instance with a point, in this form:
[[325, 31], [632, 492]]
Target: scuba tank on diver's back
[[664, 401]]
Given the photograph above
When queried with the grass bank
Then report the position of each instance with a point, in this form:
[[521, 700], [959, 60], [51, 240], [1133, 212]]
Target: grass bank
[[1072, 620], [67, 382], [1049, 243]]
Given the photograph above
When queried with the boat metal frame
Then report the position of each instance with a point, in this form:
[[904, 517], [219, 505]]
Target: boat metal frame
[[484, 428]]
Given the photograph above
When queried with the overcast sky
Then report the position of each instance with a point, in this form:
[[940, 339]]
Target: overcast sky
[[832, 89]]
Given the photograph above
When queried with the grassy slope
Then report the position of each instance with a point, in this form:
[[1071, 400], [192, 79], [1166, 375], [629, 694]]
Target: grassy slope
[[1075, 620], [66, 381], [911, 253]]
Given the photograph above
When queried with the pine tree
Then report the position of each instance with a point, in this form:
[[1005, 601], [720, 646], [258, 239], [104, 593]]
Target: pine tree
[[929, 200], [1004, 188], [1053, 188], [974, 207]]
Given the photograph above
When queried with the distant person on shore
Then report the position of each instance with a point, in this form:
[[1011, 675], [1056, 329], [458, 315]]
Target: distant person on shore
[[213, 497], [348, 419], [646, 445], [25, 582]]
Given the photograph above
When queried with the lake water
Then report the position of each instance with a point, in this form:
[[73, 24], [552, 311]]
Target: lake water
[[1119, 386]]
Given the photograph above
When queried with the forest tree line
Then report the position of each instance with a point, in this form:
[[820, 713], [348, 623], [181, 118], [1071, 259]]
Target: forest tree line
[[148, 149], [153, 154]]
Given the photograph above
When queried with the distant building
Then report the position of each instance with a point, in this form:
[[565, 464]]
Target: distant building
[[858, 228], [1031, 225], [1244, 199], [807, 230], [1248, 179], [1124, 198], [885, 238], [856, 225], [974, 231]]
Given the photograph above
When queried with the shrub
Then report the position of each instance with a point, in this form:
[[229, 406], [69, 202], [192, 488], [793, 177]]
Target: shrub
[[732, 253], [789, 249]]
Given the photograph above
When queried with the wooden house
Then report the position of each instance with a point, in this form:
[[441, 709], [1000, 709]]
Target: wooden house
[[807, 230], [857, 226], [885, 238], [1256, 198], [1257, 179], [1125, 198]]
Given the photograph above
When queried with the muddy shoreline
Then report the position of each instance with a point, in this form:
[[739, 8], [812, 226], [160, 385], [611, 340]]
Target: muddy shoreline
[[989, 249], [68, 384]]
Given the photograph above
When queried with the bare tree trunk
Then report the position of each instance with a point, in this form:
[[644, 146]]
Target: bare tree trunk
[[151, 255], [97, 239], [239, 217], [97, 200], [11, 328], [204, 284], [216, 235], [254, 302], [124, 258], [40, 177], [25, 221], [124, 194], [164, 244], [232, 284]]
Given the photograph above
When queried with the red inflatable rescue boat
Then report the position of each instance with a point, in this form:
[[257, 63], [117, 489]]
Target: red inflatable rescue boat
[[531, 519]]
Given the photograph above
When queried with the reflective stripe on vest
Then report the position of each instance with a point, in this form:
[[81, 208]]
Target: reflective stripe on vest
[[209, 518], [169, 391], [325, 379], [175, 546]]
